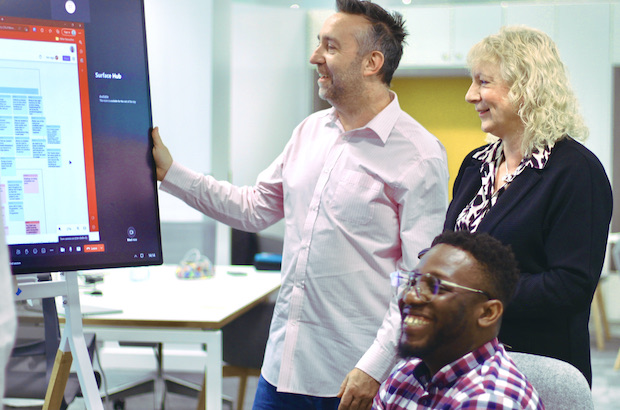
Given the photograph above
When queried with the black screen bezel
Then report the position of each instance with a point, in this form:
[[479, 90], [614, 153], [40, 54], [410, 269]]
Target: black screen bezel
[[125, 179]]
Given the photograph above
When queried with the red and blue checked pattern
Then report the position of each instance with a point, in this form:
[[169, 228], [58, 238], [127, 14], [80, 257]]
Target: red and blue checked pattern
[[483, 379]]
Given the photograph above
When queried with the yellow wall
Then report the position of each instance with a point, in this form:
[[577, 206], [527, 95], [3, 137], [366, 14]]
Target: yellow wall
[[438, 103]]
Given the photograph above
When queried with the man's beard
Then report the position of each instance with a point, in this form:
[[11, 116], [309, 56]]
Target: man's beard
[[407, 352], [344, 86]]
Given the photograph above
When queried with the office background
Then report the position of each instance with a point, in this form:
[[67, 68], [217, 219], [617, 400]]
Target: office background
[[231, 79]]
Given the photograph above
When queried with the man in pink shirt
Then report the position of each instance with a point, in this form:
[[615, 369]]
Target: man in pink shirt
[[362, 188]]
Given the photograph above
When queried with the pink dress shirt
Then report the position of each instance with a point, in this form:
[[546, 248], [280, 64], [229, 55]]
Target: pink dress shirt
[[357, 206]]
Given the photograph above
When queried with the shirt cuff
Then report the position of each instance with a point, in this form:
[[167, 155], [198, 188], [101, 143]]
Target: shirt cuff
[[178, 180], [377, 362]]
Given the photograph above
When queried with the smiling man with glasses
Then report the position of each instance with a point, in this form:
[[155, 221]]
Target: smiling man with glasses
[[451, 307]]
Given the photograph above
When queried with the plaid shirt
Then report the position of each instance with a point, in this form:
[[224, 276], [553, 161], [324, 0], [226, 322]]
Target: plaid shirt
[[483, 379]]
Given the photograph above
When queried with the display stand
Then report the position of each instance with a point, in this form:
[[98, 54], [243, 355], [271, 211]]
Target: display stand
[[72, 340]]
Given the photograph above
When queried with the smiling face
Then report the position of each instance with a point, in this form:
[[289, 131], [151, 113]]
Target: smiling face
[[489, 93], [445, 328], [337, 59]]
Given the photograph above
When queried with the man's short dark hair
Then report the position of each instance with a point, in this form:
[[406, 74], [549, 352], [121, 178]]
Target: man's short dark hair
[[498, 265], [387, 34]]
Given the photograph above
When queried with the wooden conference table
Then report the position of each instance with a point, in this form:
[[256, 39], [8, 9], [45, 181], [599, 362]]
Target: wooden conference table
[[159, 307]]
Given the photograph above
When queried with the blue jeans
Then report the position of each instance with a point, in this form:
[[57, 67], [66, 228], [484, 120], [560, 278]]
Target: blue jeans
[[267, 398]]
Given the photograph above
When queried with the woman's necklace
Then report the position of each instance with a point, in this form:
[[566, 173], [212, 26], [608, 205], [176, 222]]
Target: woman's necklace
[[508, 177]]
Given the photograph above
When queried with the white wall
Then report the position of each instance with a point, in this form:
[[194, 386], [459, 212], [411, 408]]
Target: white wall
[[583, 34], [271, 87], [179, 53]]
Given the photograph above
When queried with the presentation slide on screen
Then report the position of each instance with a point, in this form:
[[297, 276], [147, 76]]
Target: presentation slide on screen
[[41, 143]]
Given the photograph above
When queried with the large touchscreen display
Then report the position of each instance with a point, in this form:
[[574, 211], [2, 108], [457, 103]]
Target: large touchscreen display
[[77, 182]]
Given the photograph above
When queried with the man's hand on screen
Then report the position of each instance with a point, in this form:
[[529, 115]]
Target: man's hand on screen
[[163, 159]]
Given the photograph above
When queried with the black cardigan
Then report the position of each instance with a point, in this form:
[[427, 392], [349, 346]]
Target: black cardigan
[[556, 221]]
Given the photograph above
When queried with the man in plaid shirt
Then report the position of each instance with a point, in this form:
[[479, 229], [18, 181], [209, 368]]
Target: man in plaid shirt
[[451, 308]]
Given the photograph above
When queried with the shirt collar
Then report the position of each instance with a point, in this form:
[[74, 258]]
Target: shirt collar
[[383, 123], [494, 151], [450, 373]]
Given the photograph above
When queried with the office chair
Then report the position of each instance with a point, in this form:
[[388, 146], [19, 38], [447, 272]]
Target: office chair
[[118, 394], [559, 384], [32, 360], [244, 342]]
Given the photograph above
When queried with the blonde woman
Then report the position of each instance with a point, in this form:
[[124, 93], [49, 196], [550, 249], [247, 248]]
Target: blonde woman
[[536, 188]]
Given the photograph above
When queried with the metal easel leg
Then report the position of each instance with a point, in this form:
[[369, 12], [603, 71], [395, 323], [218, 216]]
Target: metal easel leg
[[72, 340]]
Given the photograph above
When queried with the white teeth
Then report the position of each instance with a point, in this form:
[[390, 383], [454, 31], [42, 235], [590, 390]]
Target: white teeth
[[415, 321]]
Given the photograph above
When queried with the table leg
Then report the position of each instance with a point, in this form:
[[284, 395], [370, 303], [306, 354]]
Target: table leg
[[213, 373], [202, 396]]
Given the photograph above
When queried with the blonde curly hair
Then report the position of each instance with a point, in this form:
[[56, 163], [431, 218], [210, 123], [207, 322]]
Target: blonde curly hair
[[530, 64]]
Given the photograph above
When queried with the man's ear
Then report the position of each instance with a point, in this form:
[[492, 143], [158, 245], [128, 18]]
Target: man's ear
[[490, 313], [373, 63]]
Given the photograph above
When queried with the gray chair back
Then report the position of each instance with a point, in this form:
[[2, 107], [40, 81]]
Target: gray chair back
[[559, 384]]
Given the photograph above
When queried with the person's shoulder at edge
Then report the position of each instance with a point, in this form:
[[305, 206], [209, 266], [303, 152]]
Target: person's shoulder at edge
[[326, 113], [573, 153], [315, 119], [495, 383], [426, 144], [408, 126], [484, 386]]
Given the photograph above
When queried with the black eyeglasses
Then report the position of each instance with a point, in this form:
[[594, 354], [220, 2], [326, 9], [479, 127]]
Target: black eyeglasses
[[426, 285]]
